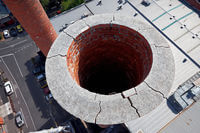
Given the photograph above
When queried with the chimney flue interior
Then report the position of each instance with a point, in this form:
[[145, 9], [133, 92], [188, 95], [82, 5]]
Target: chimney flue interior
[[109, 58]]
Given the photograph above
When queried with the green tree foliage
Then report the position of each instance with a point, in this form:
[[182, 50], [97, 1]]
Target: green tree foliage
[[67, 4], [45, 4]]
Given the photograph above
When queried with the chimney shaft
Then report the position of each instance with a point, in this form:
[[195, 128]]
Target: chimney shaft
[[33, 18]]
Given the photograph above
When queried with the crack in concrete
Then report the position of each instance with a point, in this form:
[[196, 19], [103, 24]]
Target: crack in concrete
[[113, 18], [136, 110], [123, 95], [155, 90], [69, 35], [98, 112], [86, 23], [135, 91], [95, 97], [56, 56]]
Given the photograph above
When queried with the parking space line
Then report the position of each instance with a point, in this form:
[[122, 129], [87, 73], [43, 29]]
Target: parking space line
[[166, 12], [10, 74], [177, 21], [14, 44], [17, 65], [6, 55], [15, 61], [20, 93], [24, 118]]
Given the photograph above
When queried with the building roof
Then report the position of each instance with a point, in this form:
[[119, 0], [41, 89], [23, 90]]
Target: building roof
[[4, 12], [181, 27], [187, 122]]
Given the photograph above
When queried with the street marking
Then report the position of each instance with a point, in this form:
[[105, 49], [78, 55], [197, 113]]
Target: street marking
[[6, 55], [23, 48], [177, 20], [13, 45], [10, 74], [21, 95], [15, 61], [24, 118], [18, 65], [166, 12]]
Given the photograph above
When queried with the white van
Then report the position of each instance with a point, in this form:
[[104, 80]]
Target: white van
[[8, 88]]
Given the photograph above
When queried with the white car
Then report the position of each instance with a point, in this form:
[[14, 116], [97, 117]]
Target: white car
[[8, 88], [6, 34], [40, 77], [19, 119], [48, 97]]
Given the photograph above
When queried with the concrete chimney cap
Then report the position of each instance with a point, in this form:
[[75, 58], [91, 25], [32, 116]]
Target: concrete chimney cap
[[67, 68]]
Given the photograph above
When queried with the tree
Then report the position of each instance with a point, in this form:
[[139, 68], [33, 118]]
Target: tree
[[68, 4], [45, 4]]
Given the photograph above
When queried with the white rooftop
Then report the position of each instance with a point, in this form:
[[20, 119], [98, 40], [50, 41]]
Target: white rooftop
[[176, 22]]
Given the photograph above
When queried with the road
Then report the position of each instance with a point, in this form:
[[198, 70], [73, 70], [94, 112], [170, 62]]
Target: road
[[15, 61]]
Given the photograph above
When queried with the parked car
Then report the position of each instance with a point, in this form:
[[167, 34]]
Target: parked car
[[6, 34], [8, 88], [19, 119], [13, 32], [38, 70], [19, 29], [40, 77], [46, 91], [43, 83], [49, 97]]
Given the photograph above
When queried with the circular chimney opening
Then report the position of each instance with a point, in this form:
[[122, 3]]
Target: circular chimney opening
[[109, 58]]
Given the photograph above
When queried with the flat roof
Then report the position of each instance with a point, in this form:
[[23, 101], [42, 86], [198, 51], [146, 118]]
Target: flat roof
[[187, 122], [4, 12], [179, 25]]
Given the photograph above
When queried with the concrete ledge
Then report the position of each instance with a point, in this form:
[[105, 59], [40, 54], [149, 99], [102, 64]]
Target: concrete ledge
[[114, 108]]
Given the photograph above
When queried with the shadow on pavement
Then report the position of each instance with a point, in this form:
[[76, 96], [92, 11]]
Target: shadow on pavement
[[52, 113], [37, 95], [59, 113], [49, 124]]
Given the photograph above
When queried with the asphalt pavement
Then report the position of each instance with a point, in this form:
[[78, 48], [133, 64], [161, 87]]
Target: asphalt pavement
[[15, 62]]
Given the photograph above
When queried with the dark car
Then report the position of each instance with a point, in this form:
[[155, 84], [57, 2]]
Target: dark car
[[43, 83], [38, 70], [13, 32]]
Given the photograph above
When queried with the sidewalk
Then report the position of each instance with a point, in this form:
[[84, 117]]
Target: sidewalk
[[5, 110]]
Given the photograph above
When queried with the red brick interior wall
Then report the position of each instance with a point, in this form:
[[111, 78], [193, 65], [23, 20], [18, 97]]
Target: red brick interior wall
[[33, 18], [109, 58]]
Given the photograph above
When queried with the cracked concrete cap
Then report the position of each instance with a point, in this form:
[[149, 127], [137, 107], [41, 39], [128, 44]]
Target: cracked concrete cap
[[109, 69]]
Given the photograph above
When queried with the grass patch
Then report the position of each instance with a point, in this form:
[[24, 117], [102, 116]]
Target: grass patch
[[68, 4]]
